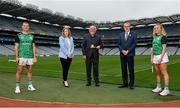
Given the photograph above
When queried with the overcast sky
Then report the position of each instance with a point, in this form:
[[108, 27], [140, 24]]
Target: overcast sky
[[110, 10]]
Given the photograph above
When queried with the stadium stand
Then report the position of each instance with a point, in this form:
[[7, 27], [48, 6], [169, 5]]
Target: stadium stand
[[140, 50], [5, 51], [178, 51], [113, 51], [105, 51], [46, 26], [147, 51], [172, 50]]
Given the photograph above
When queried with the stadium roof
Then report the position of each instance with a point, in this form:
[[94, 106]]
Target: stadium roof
[[32, 12]]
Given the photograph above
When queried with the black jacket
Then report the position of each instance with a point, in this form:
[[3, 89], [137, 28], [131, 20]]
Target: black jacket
[[86, 45]]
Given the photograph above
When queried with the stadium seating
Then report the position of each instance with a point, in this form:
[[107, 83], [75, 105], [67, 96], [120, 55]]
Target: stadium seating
[[140, 50], [6, 51], [40, 28], [113, 51], [105, 51], [171, 50], [78, 51], [47, 34], [178, 51], [147, 51]]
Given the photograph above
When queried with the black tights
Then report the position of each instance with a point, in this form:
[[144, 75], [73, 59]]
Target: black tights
[[65, 67]]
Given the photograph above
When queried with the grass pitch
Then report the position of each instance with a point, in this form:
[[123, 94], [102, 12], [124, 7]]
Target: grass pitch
[[47, 79]]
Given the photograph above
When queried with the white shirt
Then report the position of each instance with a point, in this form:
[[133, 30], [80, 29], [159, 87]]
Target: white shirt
[[68, 45], [126, 35]]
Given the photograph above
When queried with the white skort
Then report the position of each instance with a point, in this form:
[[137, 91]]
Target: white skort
[[157, 57]]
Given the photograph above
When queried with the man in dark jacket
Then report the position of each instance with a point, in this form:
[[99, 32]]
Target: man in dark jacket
[[127, 45], [90, 48]]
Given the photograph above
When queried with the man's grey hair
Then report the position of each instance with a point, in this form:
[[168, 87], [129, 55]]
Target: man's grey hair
[[93, 26]]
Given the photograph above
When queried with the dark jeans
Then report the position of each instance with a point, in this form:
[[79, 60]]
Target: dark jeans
[[92, 62], [127, 62], [65, 66]]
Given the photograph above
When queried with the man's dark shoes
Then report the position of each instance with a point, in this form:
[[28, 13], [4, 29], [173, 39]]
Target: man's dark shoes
[[97, 85], [123, 86], [88, 84], [131, 87]]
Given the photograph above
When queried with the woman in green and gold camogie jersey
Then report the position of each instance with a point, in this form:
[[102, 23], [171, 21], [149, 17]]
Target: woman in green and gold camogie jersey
[[159, 59]]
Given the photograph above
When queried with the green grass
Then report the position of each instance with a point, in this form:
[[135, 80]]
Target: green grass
[[51, 90], [110, 70], [47, 79]]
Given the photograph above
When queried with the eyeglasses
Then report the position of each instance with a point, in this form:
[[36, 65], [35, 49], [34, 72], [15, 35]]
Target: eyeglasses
[[126, 26]]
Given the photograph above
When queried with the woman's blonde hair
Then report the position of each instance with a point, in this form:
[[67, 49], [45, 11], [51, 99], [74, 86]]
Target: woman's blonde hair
[[66, 28], [163, 32]]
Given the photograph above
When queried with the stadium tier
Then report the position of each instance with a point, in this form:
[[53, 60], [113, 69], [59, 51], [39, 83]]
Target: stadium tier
[[47, 38], [46, 27]]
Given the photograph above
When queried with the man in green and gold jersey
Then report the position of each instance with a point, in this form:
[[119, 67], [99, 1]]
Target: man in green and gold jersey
[[25, 52]]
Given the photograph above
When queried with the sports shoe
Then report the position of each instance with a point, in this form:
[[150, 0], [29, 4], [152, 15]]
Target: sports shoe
[[31, 88], [165, 92], [157, 90], [17, 90]]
